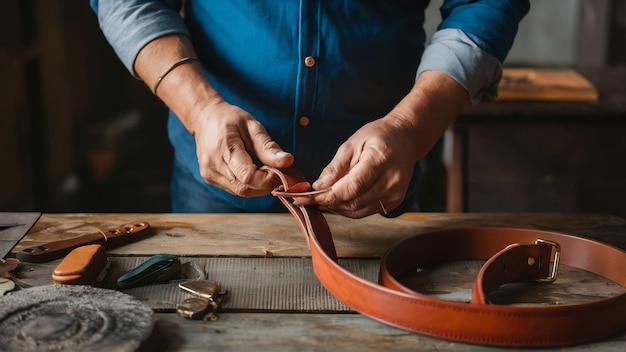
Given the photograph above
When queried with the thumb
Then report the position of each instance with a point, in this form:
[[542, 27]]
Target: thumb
[[270, 153], [276, 157], [336, 169]]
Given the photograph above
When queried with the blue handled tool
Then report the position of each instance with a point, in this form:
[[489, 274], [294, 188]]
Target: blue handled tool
[[159, 268]]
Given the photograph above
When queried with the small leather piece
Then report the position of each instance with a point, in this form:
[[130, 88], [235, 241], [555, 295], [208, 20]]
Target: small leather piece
[[507, 251], [7, 266], [82, 266]]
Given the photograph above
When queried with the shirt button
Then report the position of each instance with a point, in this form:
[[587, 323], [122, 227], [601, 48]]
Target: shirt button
[[304, 121], [309, 61]]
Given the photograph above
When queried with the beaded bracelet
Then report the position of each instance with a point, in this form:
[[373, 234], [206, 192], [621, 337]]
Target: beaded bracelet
[[176, 64]]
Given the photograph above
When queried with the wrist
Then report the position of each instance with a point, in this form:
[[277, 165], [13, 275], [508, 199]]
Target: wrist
[[430, 108], [159, 79]]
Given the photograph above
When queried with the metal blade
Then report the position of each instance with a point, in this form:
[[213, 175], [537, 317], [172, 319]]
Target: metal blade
[[13, 227]]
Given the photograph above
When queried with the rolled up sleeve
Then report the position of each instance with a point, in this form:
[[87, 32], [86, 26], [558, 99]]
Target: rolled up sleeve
[[129, 25], [472, 42]]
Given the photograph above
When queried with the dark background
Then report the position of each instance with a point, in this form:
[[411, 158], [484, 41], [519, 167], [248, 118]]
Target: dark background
[[80, 134]]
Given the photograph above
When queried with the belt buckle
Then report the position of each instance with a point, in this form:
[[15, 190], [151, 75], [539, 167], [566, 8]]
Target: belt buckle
[[555, 263]]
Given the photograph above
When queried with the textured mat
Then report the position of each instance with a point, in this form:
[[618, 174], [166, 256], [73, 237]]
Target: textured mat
[[253, 284]]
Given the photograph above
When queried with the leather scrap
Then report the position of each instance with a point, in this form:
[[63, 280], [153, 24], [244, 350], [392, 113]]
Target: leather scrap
[[7, 266]]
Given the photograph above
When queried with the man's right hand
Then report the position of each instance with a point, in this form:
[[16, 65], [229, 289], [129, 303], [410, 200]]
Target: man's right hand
[[225, 136]]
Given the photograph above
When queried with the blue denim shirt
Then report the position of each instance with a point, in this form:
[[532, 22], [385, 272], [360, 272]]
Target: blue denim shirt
[[367, 56]]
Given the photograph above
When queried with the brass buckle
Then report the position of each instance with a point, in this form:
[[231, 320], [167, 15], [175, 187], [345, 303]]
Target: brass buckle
[[206, 301], [555, 263]]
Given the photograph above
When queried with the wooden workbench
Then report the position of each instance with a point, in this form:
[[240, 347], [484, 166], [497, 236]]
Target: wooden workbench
[[275, 302]]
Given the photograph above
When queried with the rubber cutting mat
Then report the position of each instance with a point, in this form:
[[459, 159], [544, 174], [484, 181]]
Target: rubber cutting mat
[[253, 284], [288, 284]]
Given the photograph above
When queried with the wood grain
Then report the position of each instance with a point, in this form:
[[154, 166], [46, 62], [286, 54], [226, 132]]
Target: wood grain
[[313, 332], [545, 84], [279, 234], [277, 304]]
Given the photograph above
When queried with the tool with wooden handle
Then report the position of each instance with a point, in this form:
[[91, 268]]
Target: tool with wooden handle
[[111, 238]]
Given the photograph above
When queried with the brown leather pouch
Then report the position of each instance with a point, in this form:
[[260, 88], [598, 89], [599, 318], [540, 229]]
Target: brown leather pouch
[[82, 266]]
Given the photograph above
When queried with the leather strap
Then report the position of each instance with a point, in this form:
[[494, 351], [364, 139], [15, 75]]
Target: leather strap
[[512, 255], [111, 238]]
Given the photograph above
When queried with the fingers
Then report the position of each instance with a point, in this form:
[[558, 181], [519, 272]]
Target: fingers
[[226, 160], [241, 166], [222, 176], [360, 207], [369, 174], [356, 194], [266, 149], [338, 167], [372, 208], [357, 208], [237, 174]]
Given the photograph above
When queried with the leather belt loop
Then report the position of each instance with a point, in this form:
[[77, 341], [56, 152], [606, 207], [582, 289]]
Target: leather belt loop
[[515, 263], [508, 252]]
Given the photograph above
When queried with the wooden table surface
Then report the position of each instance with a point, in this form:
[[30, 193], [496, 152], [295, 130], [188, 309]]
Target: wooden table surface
[[275, 300]]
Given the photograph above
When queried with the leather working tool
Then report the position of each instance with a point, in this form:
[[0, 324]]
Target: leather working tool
[[111, 238], [159, 268], [85, 265], [8, 226], [13, 227], [206, 301], [513, 255]]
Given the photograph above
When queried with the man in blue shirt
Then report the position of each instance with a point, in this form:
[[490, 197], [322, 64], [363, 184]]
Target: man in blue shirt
[[345, 90]]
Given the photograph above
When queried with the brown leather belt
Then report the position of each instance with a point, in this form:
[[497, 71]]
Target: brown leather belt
[[513, 255]]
